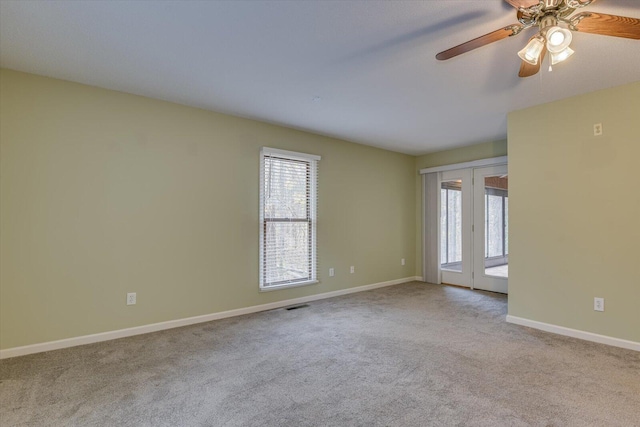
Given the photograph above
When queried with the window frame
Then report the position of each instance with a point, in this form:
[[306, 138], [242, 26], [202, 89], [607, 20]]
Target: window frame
[[312, 217]]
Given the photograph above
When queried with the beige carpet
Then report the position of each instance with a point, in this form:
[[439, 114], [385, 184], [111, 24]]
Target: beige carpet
[[407, 355]]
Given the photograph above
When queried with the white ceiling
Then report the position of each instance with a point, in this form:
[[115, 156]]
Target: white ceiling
[[364, 71]]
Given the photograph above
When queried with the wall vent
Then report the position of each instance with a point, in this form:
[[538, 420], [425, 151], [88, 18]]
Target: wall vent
[[295, 307]]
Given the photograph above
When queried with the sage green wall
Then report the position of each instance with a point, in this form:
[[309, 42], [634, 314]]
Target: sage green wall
[[574, 212], [484, 150], [104, 193]]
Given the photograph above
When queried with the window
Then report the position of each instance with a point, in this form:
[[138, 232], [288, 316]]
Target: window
[[288, 194]]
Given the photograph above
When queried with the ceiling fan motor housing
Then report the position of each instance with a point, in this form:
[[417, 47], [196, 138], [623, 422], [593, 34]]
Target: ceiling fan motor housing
[[547, 21]]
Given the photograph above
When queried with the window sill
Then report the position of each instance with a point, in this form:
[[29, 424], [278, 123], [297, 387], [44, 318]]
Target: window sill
[[289, 285]]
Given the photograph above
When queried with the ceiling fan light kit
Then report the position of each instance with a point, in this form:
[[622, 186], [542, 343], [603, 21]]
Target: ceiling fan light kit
[[550, 17], [532, 51], [558, 39], [561, 56]]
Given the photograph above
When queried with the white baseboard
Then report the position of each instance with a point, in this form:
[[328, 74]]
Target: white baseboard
[[154, 327], [575, 333]]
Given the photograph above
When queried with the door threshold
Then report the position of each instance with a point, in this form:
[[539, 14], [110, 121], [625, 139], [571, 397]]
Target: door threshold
[[457, 286]]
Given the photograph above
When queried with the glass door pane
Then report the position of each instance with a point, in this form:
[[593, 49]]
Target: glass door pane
[[496, 226], [451, 225]]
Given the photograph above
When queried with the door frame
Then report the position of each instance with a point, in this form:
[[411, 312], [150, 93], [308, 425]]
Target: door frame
[[493, 161]]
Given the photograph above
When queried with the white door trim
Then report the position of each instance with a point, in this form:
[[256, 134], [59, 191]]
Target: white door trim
[[474, 164]]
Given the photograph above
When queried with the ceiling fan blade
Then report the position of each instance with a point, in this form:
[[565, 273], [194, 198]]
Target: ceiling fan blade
[[607, 25], [494, 36], [522, 3], [528, 70]]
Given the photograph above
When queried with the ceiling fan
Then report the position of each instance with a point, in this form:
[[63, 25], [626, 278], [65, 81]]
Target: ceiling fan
[[554, 22]]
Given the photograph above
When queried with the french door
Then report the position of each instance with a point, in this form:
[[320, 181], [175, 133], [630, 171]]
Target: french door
[[456, 198], [491, 229], [474, 233]]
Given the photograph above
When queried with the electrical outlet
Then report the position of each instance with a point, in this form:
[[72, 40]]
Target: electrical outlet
[[131, 298], [597, 129], [352, 269], [332, 272], [402, 261], [598, 304]]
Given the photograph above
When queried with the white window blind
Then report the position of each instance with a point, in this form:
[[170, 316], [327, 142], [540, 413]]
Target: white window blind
[[288, 204]]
